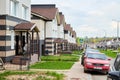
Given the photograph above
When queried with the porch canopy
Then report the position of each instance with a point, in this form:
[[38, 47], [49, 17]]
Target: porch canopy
[[58, 40], [31, 38], [27, 26]]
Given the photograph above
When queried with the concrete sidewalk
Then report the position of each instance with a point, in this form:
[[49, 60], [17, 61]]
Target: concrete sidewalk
[[77, 73]]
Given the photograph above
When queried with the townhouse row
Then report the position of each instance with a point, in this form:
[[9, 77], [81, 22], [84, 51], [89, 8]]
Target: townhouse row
[[42, 27]]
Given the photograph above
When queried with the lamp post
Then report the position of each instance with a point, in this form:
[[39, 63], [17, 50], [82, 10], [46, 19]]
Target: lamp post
[[117, 28], [117, 34]]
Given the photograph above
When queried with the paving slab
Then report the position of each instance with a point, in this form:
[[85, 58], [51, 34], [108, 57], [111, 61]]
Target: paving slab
[[77, 73]]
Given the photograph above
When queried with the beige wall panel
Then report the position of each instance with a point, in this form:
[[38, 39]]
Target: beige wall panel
[[8, 43], [49, 45], [2, 54], [2, 22], [2, 43], [10, 53], [11, 23], [2, 32], [49, 40], [8, 32]]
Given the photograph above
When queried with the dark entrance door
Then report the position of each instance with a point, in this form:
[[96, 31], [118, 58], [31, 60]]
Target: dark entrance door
[[43, 49], [17, 44]]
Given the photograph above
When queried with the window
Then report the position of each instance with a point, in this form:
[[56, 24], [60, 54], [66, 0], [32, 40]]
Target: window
[[12, 39], [13, 8], [24, 12]]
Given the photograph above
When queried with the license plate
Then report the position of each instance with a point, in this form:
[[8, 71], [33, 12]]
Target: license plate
[[97, 68]]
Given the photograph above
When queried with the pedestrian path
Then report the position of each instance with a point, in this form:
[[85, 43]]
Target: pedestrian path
[[77, 73]]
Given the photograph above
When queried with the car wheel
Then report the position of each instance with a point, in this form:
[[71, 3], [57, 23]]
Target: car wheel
[[85, 71], [105, 72]]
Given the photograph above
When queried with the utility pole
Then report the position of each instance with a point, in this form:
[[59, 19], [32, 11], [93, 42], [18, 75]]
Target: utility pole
[[117, 35], [117, 30]]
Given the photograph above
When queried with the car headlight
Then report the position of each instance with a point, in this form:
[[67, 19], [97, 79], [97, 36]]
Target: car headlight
[[88, 63], [106, 65]]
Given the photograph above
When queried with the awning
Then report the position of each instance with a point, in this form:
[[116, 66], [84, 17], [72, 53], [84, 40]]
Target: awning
[[27, 26], [58, 40]]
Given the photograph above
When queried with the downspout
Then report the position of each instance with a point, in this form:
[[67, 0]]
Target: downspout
[[38, 46], [44, 36]]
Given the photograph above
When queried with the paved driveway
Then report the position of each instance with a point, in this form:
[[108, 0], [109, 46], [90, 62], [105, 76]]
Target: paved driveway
[[77, 73]]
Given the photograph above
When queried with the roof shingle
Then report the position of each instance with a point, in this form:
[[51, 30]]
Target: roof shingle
[[44, 10], [24, 26]]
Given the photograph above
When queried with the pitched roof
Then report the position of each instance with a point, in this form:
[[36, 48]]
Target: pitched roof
[[48, 11], [68, 27], [74, 33], [25, 26]]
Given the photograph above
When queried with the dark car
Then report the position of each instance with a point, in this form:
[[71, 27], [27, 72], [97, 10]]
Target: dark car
[[114, 73]]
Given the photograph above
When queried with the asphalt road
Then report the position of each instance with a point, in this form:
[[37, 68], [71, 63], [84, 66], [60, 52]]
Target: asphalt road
[[100, 76]]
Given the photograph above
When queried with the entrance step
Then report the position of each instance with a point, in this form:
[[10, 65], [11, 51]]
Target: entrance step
[[19, 60]]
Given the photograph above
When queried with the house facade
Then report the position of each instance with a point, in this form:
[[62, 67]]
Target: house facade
[[55, 35], [51, 23], [15, 29], [40, 21], [70, 35]]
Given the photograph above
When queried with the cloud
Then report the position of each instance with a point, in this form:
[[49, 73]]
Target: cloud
[[86, 28], [96, 13], [88, 17]]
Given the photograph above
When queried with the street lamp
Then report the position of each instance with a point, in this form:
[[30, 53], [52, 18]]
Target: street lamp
[[117, 33], [117, 29]]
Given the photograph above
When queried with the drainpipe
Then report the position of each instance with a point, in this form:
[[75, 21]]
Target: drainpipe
[[44, 36]]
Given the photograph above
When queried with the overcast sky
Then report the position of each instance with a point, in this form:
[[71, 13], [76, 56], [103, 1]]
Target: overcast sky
[[92, 18]]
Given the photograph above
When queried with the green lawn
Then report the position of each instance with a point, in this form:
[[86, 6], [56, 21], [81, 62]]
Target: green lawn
[[109, 53], [63, 57], [60, 62], [57, 65]]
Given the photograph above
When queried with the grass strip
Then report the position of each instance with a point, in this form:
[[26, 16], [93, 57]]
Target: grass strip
[[59, 65]]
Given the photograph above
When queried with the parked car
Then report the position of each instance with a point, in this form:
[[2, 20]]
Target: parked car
[[114, 73], [88, 51], [96, 62]]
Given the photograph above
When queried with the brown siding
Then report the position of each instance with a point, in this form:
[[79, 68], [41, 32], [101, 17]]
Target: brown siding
[[2, 32], [2, 22], [10, 53], [2, 54]]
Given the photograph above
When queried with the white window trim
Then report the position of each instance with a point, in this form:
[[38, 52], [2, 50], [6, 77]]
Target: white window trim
[[16, 7], [12, 39], [24, 12]]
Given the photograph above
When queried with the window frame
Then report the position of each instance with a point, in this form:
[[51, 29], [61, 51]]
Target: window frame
[[14, 5], [24, 11]]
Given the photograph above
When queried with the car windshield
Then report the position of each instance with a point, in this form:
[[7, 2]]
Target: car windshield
[[96, 56]]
